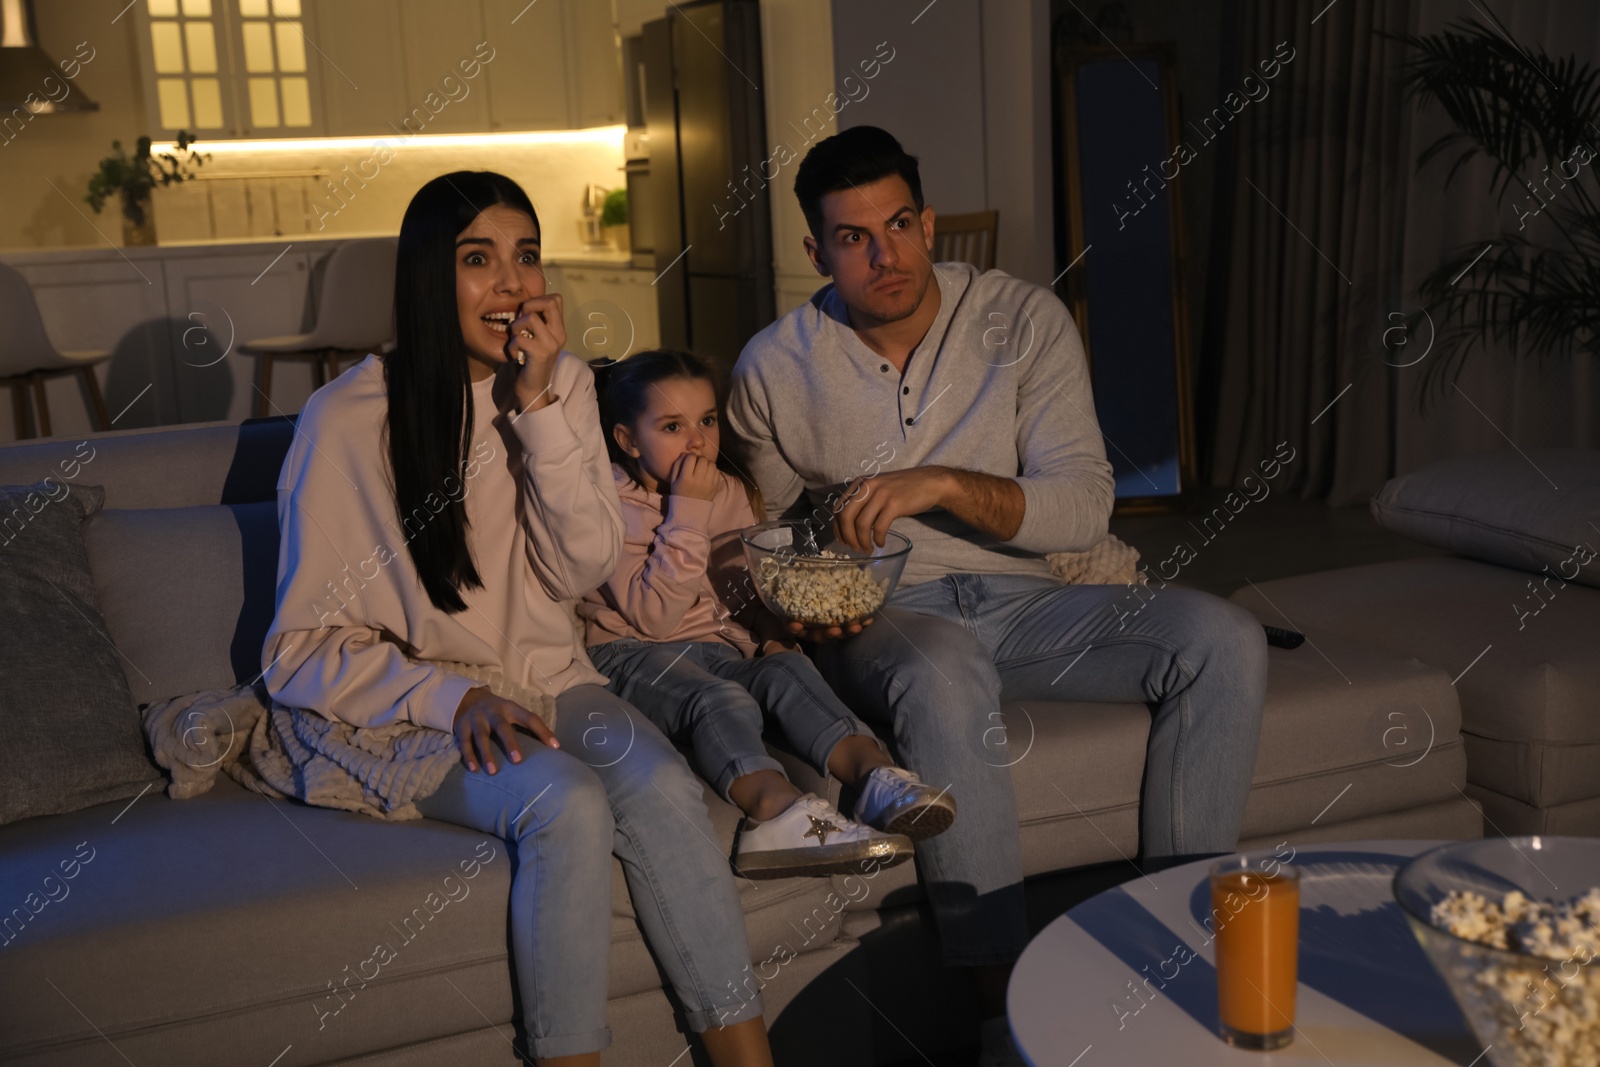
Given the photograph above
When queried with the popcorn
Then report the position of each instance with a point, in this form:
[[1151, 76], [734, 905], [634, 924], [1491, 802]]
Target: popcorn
[[1542, 1012], [820, 594]]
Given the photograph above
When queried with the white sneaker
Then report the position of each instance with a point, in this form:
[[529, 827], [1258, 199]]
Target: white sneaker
[[812, 838], [898, 802]]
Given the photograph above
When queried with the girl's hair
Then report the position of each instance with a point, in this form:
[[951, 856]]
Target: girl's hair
[[429, 384], [624, 388]]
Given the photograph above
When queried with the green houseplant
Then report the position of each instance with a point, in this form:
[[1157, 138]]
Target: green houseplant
[[1535, 288], [133, 178], [614, 219]]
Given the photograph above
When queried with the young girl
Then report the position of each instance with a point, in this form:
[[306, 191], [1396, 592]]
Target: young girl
[[662, 629], [438, 506]]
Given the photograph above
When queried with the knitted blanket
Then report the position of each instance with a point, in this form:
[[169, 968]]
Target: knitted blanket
[[1110, 562], [281, 751]]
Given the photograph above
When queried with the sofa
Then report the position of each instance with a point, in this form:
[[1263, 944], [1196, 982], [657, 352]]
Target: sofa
[[1513, 618], [232, 925]]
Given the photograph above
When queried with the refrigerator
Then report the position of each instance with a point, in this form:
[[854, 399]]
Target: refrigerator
[[708, 210]]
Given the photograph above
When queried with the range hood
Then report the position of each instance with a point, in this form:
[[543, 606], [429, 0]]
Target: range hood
[[24, 68]]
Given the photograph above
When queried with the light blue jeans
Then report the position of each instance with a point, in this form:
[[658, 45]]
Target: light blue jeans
[[936, 667], [615, 786], [708, 694]]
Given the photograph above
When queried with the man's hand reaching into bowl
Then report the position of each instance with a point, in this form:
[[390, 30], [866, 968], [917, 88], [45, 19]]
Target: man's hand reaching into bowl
[[873, 502]]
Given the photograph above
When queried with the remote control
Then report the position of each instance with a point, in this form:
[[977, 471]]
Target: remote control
[[1281, 638]]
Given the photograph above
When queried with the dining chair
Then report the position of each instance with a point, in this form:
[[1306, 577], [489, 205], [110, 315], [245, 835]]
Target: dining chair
[[355, 316], [966, 238], [28, 360]]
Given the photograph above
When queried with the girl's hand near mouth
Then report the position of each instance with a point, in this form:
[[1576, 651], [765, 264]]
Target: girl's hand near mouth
[[535, 340]]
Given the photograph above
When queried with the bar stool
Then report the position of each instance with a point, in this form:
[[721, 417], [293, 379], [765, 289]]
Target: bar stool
[[28, 360], [355, 316]]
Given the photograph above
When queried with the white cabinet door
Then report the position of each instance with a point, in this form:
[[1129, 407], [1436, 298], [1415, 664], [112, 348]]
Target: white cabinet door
[[610, 313], [364, 80], [528, 78], [217, 303], [438, 38], [107, 304], [597, 64]]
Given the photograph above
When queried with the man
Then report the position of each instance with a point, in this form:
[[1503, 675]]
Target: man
[[955, 406]]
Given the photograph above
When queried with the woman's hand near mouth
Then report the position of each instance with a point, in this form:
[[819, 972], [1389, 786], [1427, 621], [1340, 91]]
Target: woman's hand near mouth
[[535, 339]]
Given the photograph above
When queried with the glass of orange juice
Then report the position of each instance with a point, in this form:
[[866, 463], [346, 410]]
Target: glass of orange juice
[[1255, 915]]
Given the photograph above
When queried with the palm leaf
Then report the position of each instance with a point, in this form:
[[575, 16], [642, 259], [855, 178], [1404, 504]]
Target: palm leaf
[[1538, 290]]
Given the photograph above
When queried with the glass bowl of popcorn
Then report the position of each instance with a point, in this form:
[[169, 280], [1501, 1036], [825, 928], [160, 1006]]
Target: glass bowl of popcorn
[[1513, 926], [804, 574]]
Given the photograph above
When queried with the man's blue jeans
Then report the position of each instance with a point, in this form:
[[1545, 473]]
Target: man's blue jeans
[[944, 654]]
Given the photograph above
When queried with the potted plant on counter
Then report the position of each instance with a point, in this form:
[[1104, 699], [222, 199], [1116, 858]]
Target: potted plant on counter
[[133, 178], [614, 219]]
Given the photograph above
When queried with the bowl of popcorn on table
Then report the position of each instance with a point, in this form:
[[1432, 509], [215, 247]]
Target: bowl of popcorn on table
[[1513, 926], [805, 575]]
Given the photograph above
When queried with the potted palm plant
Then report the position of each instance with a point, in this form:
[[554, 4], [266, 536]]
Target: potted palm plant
[[1535, 286], [132, 178]]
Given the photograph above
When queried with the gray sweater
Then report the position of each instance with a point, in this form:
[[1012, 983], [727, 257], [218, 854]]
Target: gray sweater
[[998, 385]]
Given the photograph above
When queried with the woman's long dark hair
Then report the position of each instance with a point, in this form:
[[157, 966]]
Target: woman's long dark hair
[[624, 391], [429, 385]]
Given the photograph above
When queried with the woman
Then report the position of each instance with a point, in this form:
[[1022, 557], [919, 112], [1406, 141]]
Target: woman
[[437, 507]]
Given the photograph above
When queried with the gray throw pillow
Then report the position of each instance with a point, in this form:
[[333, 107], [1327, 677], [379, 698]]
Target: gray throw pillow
[[187, 593], [1538, 511], [69, 732]]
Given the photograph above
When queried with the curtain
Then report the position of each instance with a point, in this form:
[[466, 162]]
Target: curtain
[[1327, 226], [1312, 216]]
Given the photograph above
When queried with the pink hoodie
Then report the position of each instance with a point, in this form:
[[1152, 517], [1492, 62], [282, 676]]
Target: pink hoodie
[[682, 575]]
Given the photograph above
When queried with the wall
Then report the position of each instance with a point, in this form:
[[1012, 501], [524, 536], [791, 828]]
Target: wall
[[365, 195], [62, 150], [797, 61], [968, 95]]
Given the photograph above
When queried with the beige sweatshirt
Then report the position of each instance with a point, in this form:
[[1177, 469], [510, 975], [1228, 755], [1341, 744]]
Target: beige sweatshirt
[[682, 576], [353, 620]]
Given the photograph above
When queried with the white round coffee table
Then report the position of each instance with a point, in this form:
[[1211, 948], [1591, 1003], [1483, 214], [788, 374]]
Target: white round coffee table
[[1127, 977]]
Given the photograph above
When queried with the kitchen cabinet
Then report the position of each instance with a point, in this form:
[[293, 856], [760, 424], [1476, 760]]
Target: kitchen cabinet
[[558, 65], [528, 77], [231, 69], [437, 39], [175, 317], [383, 68], [597, 63], [217, 303], [364, 82], [610, 311]]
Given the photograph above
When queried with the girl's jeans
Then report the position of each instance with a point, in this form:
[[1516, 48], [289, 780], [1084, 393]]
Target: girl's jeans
[[707, 693], [616, 786]]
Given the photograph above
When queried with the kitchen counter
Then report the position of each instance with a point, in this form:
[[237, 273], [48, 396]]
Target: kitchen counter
[[174, 316]]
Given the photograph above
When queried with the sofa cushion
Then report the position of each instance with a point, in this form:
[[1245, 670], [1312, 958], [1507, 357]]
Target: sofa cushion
[[1351, 733], [255, 921], [69, 734], [1526, 677], [1532, 511], [188, 593]]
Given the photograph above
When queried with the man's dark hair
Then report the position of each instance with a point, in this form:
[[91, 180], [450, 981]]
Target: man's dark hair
[[857, 156]]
